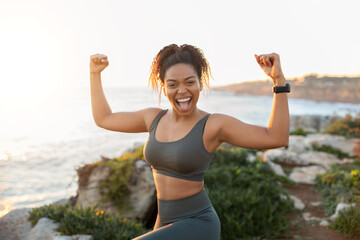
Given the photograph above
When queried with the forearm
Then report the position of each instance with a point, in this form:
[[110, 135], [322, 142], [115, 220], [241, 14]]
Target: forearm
[[99, 104], [279, 123]]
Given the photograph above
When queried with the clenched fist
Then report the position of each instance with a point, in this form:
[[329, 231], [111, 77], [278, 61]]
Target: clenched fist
[[270, 64], [98, 62]]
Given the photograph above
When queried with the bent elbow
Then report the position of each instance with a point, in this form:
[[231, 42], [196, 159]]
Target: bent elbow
[[98, 123], [285, 142], [281, 143]]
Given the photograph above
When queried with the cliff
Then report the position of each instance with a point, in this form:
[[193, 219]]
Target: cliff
[[311, 87]]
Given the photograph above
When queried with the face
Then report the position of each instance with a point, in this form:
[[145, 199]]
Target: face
[[182, 87]]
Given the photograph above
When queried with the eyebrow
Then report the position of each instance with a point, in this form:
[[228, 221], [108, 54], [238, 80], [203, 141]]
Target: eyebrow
[[173, 80]]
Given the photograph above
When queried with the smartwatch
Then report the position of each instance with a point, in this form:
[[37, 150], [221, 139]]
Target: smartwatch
[[280, 89]]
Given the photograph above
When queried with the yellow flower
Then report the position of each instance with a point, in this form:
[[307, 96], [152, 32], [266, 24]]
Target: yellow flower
[[354, 173]]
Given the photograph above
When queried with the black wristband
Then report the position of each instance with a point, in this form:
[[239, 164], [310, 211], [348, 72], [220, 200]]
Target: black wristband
[[280, 89]]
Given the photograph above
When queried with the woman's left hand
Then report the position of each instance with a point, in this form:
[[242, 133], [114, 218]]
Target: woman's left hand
[[270, 64]]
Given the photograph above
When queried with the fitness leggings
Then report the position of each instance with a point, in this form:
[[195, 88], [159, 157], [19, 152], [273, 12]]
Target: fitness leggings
[[188, 218]]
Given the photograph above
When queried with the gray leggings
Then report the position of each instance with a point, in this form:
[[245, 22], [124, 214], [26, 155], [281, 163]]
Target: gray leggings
[[188, 218]]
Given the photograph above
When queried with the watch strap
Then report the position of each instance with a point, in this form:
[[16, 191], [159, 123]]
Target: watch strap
[[280, 89]]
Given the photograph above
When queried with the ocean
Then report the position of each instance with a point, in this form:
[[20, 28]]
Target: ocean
[[41, 150]]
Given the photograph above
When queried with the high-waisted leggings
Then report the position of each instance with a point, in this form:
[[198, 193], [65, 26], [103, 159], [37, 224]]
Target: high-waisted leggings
[[188, 218]]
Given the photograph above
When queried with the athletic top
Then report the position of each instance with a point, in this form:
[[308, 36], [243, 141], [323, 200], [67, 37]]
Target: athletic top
[[186, 158]]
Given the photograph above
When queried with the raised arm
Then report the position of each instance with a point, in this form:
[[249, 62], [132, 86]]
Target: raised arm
[[276, 134], [138, 121]]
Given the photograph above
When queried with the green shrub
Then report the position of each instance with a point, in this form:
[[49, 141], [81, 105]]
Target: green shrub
[[348, 222], [348, 126], [246, 196], [331, 150], [299, 131], [115, 187], [90, 221]]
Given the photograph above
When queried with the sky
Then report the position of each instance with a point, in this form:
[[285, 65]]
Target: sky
[[46, 45]]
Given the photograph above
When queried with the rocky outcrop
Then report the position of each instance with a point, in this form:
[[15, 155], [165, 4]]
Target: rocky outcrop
[[311, 123], [141, 185], [15, 224], [337, 142], [339, 208], [306, 175], [45, 229], [311, 87], [303, 164]]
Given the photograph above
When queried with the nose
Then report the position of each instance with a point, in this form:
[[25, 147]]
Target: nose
[[181, 90]]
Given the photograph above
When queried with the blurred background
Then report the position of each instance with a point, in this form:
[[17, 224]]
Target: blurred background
[[46, 125]]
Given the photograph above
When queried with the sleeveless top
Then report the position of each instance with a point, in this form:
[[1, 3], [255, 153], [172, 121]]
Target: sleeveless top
[[186, 158]]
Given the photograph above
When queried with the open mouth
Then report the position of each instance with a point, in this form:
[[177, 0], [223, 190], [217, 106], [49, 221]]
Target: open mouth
[[184, 103]]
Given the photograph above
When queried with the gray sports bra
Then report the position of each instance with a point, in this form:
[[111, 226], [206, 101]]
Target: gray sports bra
[[186, 158]]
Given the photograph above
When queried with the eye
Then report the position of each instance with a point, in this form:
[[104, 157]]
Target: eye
[[190, 82], [171, 85]]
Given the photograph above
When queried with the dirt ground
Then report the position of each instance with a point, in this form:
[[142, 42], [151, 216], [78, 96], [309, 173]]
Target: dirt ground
[[302, 230]]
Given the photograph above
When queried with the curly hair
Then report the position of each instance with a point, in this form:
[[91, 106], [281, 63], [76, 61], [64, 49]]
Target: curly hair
[[173, 54]]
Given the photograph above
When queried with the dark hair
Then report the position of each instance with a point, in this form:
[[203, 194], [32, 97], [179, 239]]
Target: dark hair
[[173, 54]]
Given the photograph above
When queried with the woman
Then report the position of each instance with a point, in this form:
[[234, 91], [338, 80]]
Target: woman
[[183, 139]]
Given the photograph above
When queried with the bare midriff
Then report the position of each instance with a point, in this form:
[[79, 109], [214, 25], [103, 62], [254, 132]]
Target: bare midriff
[[170, 188]]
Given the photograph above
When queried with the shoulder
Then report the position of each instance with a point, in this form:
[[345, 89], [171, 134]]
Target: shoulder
[[218, 122], [149, 114], [217, 118]]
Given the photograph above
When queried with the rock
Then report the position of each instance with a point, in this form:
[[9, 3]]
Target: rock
[[15, 224], [311, 123], [337, 142], [306, 174], [250, 157], [88, 191], [277, 169], [307, 216], [143, 192], [320, 158], [324, 223], [298, 204], [284, 156], [43, 230], [346, 160], [297, 144], [315, 204], [339, 208], [141, 186]]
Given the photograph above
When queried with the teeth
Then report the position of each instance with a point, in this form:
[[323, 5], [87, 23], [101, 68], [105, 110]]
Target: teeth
[[184, 100]]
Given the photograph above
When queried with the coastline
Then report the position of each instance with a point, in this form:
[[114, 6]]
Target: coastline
[[309, 87]]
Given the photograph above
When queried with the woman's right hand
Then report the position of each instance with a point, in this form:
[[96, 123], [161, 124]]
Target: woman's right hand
[[98, 62]]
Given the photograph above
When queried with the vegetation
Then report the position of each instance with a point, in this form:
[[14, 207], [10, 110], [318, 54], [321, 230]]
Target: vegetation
[[246, 196], [300, 131], [342, 184], [91, 221], [348, 126], [339, 184], [331, 150], [115, 188], [348, 222]]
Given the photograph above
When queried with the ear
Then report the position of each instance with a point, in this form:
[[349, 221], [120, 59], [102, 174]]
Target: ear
[[201, 86]]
